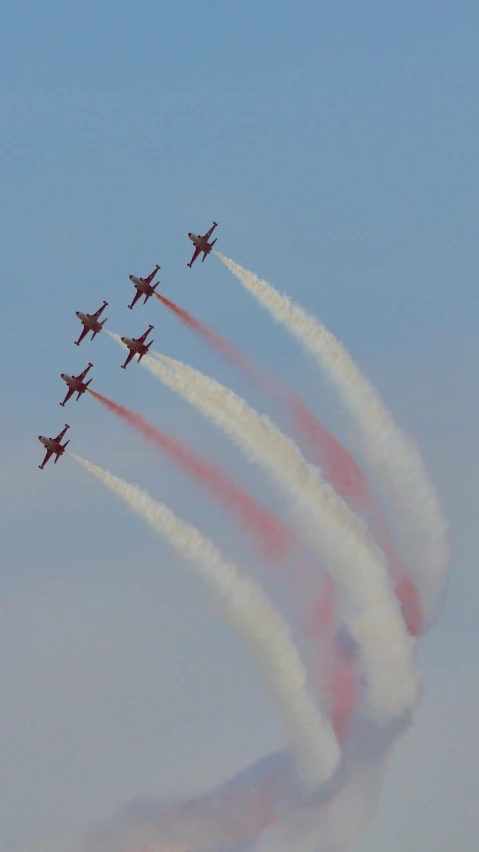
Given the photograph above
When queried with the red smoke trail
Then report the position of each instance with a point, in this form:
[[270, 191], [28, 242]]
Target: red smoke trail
[[340, 468], [338, 465], [277, 540], [336, 669]]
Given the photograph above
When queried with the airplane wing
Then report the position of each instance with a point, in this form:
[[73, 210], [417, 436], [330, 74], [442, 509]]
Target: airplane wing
[[195, 255], [48, 455], [128, 359], [85, 371], [60, 436], [135, 299], [151, 276], [99, 311], [69, 394], [144, 336], [208, 235], [85, 331]]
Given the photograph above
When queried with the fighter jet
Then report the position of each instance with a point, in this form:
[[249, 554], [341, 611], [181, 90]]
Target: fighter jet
[[136, 346], [53, 446], [144, 286], [90, 323], [76, 383], [201, 244]]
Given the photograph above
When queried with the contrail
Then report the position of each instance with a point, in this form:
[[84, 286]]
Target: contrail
[[338, 535], [338, 466], [253, 615], [406, 590], [337, 673], [329, 665], [392, 453], [276, 539]]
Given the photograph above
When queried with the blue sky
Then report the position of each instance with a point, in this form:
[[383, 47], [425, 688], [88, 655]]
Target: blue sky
[[336, 146]]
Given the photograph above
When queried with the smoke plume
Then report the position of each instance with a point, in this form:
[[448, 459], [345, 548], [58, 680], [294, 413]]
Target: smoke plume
[[391, 453]]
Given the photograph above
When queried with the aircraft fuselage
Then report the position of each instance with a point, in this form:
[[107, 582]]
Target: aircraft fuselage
[[200, 243], [89, 321], [134, 345], [51, 445], [140, 284]]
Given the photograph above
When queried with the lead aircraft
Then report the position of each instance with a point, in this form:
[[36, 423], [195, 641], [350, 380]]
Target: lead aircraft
[[201, 244]]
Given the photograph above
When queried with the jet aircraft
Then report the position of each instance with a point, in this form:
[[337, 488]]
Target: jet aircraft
[[144, 286], [201, 244], [53, 446], [136, 346], [91, 323], [76, 383]]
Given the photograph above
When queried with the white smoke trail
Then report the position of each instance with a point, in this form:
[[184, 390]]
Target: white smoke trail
[[255, 618], [338, 535], [397, 460]]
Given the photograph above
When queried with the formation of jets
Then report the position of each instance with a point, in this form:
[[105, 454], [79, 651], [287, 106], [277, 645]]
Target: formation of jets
[[135, 345]]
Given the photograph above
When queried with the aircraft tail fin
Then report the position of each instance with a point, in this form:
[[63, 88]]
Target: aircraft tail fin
[[104, 321], [86, 385], [213, 242]]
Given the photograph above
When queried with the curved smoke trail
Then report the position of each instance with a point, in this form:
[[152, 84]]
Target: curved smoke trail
[[339, 536], [276, 540], [262, 807], [392, 684], [406, 483], [338, 465], [255, 618], [329, 663]]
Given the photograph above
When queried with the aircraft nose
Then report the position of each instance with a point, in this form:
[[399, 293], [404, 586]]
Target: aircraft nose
[[77, 313], [62, 375], [190, 234]]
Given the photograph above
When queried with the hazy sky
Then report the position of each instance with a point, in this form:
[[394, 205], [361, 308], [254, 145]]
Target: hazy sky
[[336, 146]]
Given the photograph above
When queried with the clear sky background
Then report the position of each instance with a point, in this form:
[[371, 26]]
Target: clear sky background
[[336, 145]]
